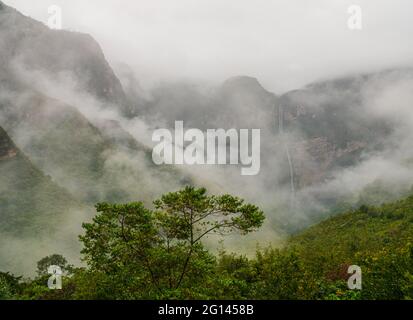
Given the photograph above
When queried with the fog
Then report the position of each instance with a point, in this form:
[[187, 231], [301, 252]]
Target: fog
[[284, 43], [174, 60]]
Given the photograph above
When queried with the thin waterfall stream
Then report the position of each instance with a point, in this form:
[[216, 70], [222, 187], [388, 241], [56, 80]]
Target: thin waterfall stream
[[286, 147]]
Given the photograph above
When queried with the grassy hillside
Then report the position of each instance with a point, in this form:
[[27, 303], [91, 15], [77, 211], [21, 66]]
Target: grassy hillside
[[30, 202], [314, 264], [364, 231]]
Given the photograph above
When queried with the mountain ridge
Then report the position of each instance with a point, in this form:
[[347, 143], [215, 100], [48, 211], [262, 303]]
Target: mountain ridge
[[66, 52]]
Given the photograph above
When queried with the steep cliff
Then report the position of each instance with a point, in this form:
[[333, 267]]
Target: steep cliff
[[28, 45]]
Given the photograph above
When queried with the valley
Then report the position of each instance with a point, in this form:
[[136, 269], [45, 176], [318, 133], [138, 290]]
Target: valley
[[333, 174]]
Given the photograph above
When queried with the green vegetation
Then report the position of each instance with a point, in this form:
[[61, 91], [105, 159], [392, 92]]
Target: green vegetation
[[52, 260], [132, 252], [31, 203]]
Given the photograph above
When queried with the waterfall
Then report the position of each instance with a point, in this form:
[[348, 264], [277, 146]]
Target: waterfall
[[286, 147]]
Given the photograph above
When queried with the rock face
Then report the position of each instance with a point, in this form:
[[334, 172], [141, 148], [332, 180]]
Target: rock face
[[314, 159], [7, 148], [326, 122], [331, 125]]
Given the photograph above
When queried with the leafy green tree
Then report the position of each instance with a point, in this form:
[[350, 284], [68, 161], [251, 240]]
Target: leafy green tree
[[190, 215], [52, 260], [5, 292], [9, 285], [154, 252]]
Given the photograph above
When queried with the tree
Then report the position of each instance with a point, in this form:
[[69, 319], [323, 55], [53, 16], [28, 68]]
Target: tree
[[5, 292], [9, 285], [52, 260], [163, 246], [190, 215]]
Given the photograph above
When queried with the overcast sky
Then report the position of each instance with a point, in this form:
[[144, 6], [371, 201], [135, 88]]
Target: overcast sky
[[284, 43]]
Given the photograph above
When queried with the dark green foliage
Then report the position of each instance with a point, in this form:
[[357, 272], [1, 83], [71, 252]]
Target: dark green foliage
[[133, 252], [161, 251], [52, 260], [9, 286], [30, 202]]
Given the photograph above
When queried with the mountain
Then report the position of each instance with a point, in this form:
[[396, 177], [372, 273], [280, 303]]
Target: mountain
[[246, 104], [240, 102], [58, 136], [335, 124], [308, 136], [29, 45]]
